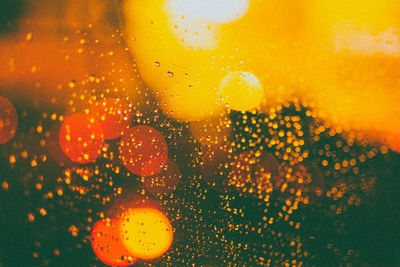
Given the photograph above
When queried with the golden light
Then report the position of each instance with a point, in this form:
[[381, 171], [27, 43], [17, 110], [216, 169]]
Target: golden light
[[147, 233], [185, 79], [204, 48], [242, 91]]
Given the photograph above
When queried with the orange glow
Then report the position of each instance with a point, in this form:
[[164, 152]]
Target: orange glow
[[81, 138], [165, 181], [146, 232], [113, 114], [8, 120], [108, 246], [143, 150]]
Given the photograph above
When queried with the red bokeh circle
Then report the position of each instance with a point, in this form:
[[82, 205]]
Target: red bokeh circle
[[143, 150]]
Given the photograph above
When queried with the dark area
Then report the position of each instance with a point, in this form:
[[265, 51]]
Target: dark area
[[10, 12]]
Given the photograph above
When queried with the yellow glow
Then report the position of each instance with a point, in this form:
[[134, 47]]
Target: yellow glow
[[183, 78], [341, 55], [362, 12], [242, 91], [146, 232]]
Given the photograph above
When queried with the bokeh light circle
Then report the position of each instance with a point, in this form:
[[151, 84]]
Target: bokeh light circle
[[242, 91], [143, 150], [147, 233], [107, 244], [81, 138], [8, 120]]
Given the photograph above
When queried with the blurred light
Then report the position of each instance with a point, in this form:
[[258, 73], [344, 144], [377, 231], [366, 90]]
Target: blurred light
[[146, 232], [242, 91], [107, 244], [143, 150], [217, 11]]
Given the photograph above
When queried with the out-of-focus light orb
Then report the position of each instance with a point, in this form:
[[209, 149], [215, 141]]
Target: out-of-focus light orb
[[146, 232], [217, 11], [107, 244], [81, 138], [143, 150], [113, 114], [242, 91], [8, 120], [165, 181]]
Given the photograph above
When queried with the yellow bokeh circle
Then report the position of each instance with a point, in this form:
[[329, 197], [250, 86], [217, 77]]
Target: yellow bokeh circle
[[146, 232]]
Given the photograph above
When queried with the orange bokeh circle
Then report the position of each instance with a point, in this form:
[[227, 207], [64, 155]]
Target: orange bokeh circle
[[108, 246], [8, 120], [143, 150], [81, 138]]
